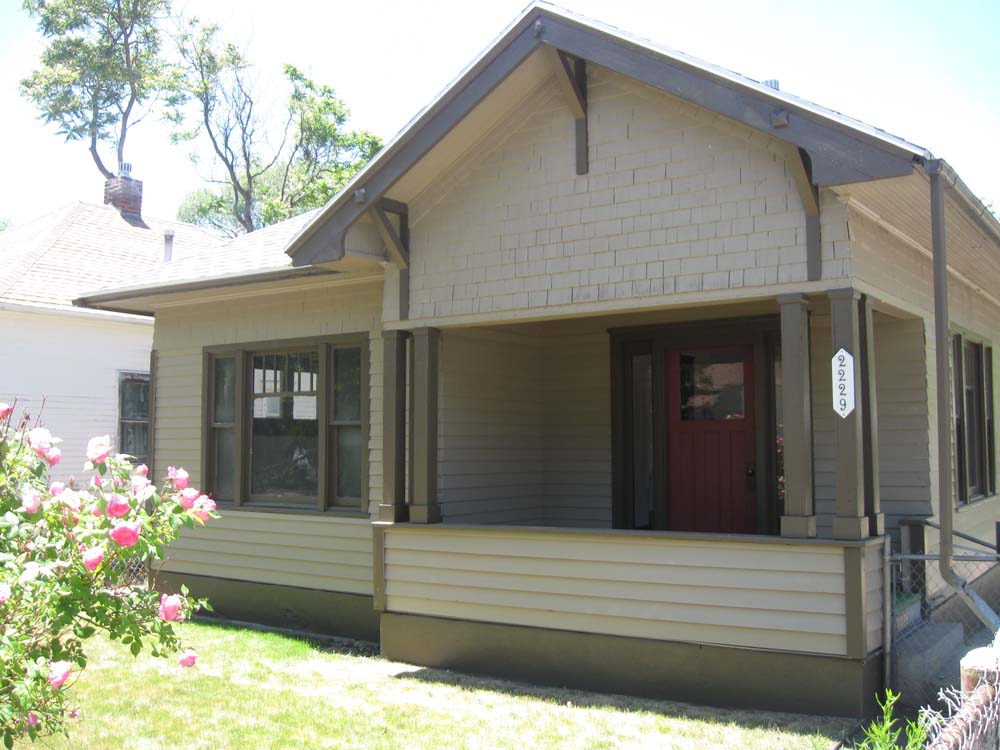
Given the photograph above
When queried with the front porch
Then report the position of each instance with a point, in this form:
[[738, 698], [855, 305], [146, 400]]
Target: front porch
[[759, 622], [548, 501]]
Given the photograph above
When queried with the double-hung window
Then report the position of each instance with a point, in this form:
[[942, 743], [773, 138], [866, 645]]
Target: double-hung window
[[974, 437], [133, 415], [287, 424]]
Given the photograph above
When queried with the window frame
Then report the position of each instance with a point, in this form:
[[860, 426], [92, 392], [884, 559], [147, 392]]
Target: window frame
[[139, 376], [981, 381], [326, 500]]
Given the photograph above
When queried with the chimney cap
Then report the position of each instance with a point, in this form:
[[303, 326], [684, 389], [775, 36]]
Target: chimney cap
[[124, 169], [773, 84], [168, 232]]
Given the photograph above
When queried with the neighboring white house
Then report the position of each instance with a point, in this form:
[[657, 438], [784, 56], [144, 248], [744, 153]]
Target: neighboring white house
[[82, 372]]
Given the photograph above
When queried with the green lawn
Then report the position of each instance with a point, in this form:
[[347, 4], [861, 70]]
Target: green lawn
[[263, 691]]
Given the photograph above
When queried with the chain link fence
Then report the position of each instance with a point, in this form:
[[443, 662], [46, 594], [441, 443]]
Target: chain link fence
[[128, 574], [932, 627]]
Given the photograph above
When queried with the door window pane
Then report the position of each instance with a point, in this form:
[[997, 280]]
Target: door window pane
[[347, 386], [134, 437], [135, 399], [711, 384]]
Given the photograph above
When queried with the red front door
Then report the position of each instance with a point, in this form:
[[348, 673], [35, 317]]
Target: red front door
[[710, 440]]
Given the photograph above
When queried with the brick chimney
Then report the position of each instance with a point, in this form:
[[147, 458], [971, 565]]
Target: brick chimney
[[124, 193]]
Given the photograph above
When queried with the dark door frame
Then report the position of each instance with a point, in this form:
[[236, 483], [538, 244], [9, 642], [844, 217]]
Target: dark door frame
[[763, 333]]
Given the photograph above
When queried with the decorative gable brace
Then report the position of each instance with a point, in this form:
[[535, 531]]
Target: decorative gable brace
[[571, 75], [397, 244]]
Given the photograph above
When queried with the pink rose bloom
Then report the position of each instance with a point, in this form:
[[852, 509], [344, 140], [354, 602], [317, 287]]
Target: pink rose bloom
[[53, 456], [72, 500], [95, 481], [188, 658], [40, 441], [92, 558], [142, 470], [5, 410], [188, 496], [58, 673], [31, 501], [178, 476], [125, 533], [74, 713], [171, 607], [4, 592], [98, 449], [33, 718], [118, 506], [55, 488], [203, 506]]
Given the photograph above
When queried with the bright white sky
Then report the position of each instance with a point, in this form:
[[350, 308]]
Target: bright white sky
[[925, 70]]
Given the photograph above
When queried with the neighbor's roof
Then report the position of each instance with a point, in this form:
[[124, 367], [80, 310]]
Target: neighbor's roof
[[257, 256], [49, 261]]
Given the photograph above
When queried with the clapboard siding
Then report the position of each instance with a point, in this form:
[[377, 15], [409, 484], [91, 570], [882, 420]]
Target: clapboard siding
[[874, 581], [332, 554], [577, 419], [489, 429], [64, 370], [756, 594], [902, 398], [310, 551]]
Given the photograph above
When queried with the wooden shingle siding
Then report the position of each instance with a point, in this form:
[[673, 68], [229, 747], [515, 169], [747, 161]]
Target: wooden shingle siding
[[308, 550], [676, 200], [758, 595], [331, 554]]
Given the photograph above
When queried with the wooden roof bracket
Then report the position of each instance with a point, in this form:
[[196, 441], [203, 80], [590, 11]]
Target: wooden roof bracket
[[396, 243], [571, 75], [801, 168]]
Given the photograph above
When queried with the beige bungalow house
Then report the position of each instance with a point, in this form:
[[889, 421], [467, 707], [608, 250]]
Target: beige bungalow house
[[548, 390]]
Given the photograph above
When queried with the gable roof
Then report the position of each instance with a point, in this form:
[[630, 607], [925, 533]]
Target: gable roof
[[841, 149], [48, 261]]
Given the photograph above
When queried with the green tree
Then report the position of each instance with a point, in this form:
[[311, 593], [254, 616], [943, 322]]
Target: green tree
[[266, 170], [4, 223], [101, 67]]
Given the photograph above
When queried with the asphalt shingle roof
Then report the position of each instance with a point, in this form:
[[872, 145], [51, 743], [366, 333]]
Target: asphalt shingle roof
[[49, 261]]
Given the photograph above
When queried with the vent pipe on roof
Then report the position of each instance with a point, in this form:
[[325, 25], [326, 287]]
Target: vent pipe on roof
[[772, 83], [168, 245]]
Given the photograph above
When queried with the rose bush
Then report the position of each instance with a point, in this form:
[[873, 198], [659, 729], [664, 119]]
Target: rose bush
[[61, 547]]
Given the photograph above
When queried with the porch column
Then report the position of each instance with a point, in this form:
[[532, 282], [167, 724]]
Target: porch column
[[393, 506], [424, 508], [873, 503], [799, 516], [850, 521]]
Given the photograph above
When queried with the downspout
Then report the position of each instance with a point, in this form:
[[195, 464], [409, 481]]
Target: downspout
[[937, 171]]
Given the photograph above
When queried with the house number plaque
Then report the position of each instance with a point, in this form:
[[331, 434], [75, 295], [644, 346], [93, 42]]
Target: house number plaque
[[843, 383]]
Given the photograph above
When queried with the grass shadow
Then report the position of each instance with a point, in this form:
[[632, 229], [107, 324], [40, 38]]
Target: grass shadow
[[327, 644], [840, 727]]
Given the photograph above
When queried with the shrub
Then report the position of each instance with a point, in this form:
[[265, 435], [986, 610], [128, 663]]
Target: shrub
[[61, 546], [883, 733]]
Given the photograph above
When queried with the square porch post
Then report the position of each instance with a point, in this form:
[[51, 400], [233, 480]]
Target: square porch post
[[850, 521], [393, 506], [873, 502], [425, 508], [799, 516]]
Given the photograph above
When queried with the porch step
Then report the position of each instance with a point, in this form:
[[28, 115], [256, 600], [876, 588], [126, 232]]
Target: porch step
[[927, 659]]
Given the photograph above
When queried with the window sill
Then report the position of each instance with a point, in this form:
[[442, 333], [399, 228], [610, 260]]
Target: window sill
[[297, 510], [975, 503]]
